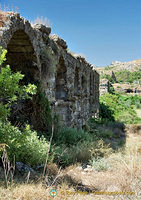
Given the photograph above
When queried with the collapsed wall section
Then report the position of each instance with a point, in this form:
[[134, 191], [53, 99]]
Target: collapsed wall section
[[69, 82]]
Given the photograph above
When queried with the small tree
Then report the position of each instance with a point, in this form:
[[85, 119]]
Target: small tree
[[10, 89]]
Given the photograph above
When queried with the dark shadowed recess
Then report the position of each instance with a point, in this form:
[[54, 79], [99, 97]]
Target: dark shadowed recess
[[21, 57]]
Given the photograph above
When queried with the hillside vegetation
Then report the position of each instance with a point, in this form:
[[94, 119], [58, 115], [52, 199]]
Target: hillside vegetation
[[124, 76], [116, 66], [120, 108], [127, 76], [129, 72]]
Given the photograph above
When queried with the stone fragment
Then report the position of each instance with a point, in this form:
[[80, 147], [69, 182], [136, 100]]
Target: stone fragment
[[88, 170], [22, 168], [43, 28], [59, 41]]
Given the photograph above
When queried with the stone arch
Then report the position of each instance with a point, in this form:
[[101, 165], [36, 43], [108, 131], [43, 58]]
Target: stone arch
[[16, 32], [76, 82], [21, 56], [84, 83], [61, 80]]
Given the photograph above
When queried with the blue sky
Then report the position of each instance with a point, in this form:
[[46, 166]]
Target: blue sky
[[102, 30]]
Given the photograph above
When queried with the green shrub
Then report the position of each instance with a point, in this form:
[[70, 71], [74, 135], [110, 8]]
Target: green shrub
[[115, 124], [25, 145], [138, 104], [106, 129], [45, 115], [10, 89], [108, 77], [127, 76], [83, 151], [105, 112], [106, 134], [119, 107], [71, 136], [72, 145]]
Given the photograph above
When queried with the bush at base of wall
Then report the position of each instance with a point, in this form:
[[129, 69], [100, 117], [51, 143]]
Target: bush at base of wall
[[25, 145]]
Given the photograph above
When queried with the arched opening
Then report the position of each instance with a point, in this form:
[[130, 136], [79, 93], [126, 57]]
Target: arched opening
[[21, 57], [84, 83], [61, 80], [76, 82]]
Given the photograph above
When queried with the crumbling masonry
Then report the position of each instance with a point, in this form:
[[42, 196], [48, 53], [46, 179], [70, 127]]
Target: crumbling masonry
[[68, 81]]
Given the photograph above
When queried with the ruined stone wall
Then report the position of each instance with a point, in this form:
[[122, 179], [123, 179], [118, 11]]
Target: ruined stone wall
[[68, 81]]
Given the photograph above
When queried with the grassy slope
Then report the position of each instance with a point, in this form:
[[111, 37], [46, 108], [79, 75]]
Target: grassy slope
[[123, 175]]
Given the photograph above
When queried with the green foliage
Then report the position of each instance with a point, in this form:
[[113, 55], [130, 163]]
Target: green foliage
[[107, 68], [127, 76], [82, 151], [105, 112], [138, 104], [25, 145], [108, 77], [120, 106], [4, 111], [10, 89], [71, 136], [9, 84], [30, 89], [46, 115], [2, 55], [111, 90], [123, 76], [104, 129], [72, 145], [45, 111]]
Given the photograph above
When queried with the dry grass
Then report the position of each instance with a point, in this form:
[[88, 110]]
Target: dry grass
[[5, 11], [42, 20], [127, 165], [7, 8], [123, 176]]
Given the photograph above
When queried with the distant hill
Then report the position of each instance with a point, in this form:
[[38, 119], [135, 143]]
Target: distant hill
[[116, 66], [123, 71]]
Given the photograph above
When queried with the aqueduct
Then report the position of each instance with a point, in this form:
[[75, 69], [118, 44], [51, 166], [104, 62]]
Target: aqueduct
[[67, 80]]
